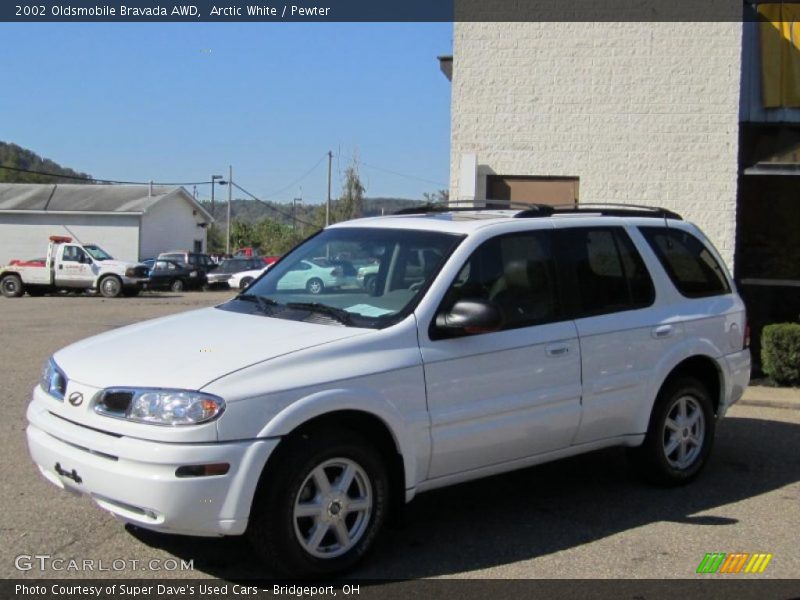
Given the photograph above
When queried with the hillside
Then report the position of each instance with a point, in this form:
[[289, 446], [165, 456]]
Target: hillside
[[250, 211], [12, 155]]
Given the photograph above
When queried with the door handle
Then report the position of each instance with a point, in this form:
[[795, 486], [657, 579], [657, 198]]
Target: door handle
[[60, 267], [663, 331], [557, 350]]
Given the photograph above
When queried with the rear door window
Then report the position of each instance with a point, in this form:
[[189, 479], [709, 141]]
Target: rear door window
[[688, 262], [607, 272]]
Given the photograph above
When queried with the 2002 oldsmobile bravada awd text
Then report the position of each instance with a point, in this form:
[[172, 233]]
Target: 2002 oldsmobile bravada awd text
[[523, 337]]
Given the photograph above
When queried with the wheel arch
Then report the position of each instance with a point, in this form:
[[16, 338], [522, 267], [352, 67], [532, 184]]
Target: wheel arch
[[706, 370], [697, 360]]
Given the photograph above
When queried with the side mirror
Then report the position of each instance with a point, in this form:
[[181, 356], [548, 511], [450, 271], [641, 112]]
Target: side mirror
[[469, 317], [85, 259]]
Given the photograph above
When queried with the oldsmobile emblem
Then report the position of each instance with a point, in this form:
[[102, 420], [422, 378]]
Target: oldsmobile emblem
[[75, 398]]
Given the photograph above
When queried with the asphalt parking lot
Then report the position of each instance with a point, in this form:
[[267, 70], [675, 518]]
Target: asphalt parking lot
[[585, 517]]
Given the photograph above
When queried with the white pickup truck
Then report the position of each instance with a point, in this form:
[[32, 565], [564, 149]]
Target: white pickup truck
[[72, 266]]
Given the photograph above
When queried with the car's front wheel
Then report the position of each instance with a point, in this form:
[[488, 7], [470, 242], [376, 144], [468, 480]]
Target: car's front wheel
[[680, 435], [321, 505], [315, 286]]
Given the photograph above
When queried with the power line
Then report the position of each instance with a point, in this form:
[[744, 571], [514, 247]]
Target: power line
[[299, 179], [403, 174], [268, 205], [94, 180]]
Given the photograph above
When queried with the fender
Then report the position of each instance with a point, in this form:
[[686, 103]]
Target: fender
[[412, 438], [686, 349]]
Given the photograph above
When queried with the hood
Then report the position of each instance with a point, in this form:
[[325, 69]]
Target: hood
[[189, 350]]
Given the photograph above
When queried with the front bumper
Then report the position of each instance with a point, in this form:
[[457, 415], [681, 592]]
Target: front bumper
[[134, 281], [135, 479], [218, 278]]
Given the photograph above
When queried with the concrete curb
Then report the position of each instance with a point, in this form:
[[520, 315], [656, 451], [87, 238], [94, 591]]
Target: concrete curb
[[756, 395]]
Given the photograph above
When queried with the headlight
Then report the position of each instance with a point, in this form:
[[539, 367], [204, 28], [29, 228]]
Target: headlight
[[53, 381], [160, 407]]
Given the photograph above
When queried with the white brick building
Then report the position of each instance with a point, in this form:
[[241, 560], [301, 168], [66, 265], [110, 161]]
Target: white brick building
[[643, 113], [699, 117]]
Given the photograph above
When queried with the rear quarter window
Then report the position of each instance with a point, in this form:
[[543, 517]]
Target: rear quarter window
[[689, 264]]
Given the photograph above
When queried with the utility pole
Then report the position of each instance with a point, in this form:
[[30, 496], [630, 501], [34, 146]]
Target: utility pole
[[328, 204], [294, 208], [230, 192]]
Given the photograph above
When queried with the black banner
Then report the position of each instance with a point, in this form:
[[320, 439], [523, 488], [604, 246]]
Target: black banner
[[193, 589], [376, 10]]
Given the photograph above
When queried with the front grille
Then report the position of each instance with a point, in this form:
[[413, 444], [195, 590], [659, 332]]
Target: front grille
[[114, 402], [140, 271]]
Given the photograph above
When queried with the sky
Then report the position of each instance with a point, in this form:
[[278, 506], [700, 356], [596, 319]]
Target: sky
[[178, 102]]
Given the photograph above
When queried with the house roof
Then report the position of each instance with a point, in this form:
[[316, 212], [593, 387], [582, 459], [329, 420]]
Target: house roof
[[70, 197]]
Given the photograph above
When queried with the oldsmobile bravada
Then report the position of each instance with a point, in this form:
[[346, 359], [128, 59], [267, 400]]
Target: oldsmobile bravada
[[489, 340]]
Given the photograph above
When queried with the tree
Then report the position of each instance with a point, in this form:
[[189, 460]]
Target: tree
[[243, 234], [437, 197], [351, 203], [12, 155]]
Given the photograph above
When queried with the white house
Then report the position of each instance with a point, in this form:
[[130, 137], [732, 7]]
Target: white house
[[130, 222]]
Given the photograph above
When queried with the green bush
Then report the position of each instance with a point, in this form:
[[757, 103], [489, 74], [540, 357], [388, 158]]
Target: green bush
[[780, 352]]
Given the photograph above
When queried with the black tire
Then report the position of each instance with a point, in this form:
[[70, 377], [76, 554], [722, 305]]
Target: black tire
[[245, 282], [11, 286], [176, 285], [315, 286], [110, 286], [274, 531], [652, 459], [370, 284]]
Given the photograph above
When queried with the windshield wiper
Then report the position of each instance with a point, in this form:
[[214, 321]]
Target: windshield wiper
[[264, 303], [341, 315]]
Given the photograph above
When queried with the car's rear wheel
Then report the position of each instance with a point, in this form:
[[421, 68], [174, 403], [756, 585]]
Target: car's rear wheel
[[320, 507], [315, 286], [176, 285], [110, 286], [370, 284], [11, 286], [680, 435]]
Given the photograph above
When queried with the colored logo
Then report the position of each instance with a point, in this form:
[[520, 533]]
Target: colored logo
[[737, 562]]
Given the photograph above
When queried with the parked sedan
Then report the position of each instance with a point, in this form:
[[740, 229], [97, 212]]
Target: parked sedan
[[241, 280], [174, 276], [222, 274], [313, 278]]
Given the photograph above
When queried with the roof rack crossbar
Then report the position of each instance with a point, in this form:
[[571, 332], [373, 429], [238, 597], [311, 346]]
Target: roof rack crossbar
[[606, 209], [493, 205]]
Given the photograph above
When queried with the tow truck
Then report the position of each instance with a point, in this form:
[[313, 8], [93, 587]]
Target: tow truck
[[71, 265]]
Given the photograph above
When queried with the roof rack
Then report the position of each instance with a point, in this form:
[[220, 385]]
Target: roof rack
[[605, 209], [494, 205]]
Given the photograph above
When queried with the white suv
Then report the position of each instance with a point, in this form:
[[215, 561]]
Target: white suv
[[301, 419]]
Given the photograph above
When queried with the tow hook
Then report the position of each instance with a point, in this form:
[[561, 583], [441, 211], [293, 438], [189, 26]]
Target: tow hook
[[68, 474]]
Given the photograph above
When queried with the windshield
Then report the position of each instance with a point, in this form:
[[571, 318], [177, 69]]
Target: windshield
[[355, 276], [97, 252]]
